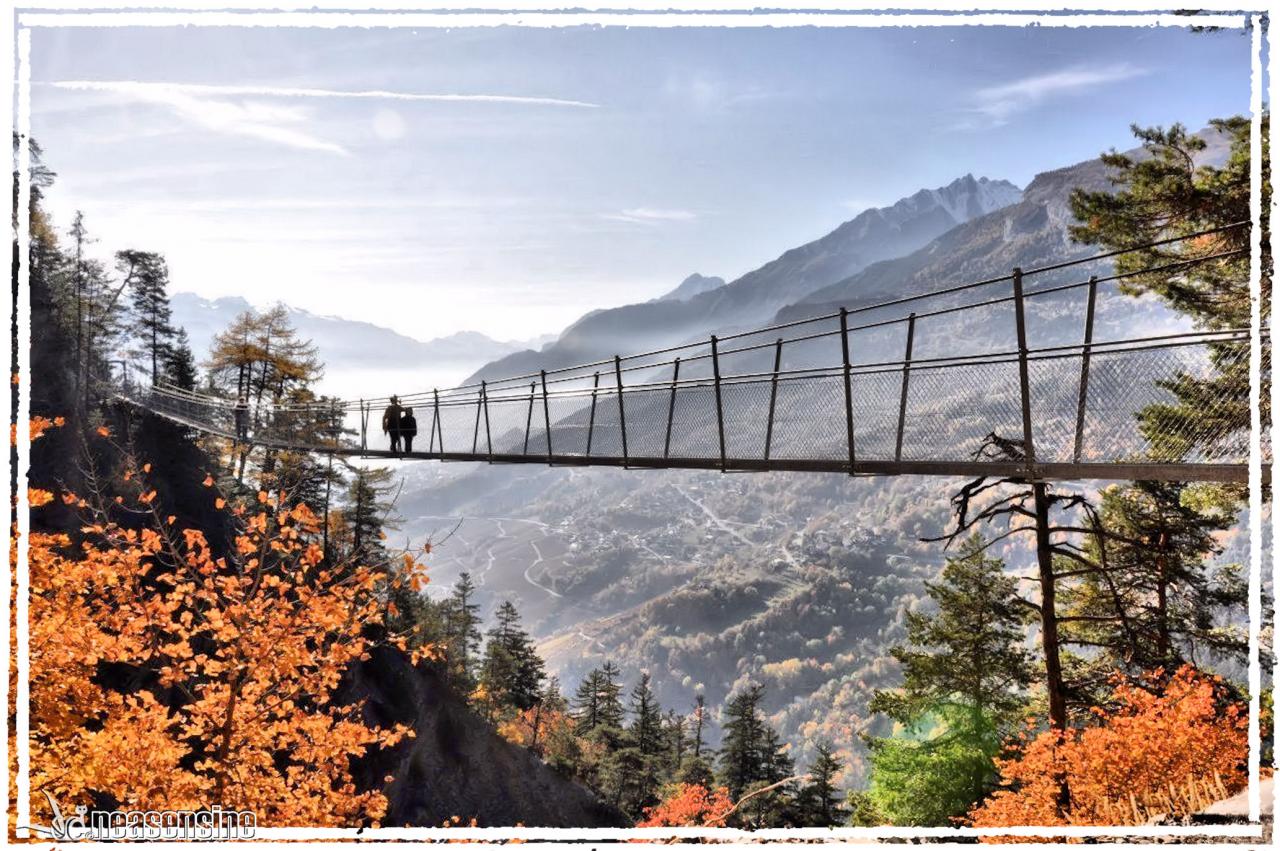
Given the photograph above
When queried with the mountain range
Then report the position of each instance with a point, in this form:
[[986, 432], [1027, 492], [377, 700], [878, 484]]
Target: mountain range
[[798, 582], [752, 299], [350, 346]]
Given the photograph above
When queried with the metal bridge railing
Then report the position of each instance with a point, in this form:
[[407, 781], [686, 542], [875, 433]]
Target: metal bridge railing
[[913, 379]]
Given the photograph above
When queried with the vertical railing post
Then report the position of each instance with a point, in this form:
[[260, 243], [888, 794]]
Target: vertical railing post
[[671, 408], [1024, 375], [364, 427], [715, 371], [622, 410], [435, 395], [848, 385], [488, 435], [546, 413], [435, 416], [906, 383], [528, 419], [773, 398], [591, 420], [475, 434], [1085, 352]]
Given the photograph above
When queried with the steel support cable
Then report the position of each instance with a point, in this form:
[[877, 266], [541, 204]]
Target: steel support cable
[[470, 394], [1166, 341], [894, 302]]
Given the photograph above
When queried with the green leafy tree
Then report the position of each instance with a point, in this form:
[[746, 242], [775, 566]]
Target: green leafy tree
[[964, 671], [934, 770], [862, 810]]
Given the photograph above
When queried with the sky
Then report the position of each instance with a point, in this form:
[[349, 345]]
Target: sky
[[506, 180]]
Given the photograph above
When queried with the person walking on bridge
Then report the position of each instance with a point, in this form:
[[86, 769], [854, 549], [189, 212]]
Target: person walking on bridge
[[242, 419], [408, 429], [391, 423]]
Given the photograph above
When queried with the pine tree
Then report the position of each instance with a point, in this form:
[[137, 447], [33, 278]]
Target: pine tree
[[462, 631], [743, 761], [512, 672], [366, 516], [641, 758], [180, 363], [818, 803], [1166, 194], [586, 702], [1161, 602], [696, 768], [147, 277], [261, 358], [676, 735], [964, 669], [611, 711], [598, 720]]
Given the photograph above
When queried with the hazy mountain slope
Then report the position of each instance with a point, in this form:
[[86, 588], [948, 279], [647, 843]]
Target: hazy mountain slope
[[691, 286], [1027, 234], [1030, 233], [872, 235]]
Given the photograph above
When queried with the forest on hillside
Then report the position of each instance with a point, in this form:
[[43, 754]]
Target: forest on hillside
[[201, 605]]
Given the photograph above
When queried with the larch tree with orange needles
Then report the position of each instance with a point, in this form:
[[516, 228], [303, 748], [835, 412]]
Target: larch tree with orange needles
[[690, 805], [1176, 733], [165, 678]]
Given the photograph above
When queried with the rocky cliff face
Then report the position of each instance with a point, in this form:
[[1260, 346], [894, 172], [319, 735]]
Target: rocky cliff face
[[456, 765]]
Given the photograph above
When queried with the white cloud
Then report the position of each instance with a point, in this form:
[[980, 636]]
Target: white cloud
[[996, 104], [254, 119], [286, 92], [650, 216], [223, 109]]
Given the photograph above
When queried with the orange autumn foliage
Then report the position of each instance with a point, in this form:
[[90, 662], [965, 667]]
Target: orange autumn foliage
[[531, 728], [690, 805], [1158, 738], [167, 679]]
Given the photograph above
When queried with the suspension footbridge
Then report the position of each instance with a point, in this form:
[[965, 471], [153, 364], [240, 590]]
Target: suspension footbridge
[[1035, 373]]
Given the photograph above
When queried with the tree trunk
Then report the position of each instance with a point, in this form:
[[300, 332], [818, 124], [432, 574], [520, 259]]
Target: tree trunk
[[1162, 599], [1049, 629]]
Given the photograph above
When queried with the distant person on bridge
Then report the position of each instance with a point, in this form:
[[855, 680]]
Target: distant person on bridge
[[391, 423], [242, 419], [408, 429]]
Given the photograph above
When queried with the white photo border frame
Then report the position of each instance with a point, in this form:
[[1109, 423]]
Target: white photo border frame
[[635, 13]]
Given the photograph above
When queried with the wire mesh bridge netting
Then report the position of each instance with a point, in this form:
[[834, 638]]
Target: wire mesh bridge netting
[[1039, 372]]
